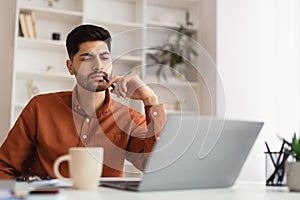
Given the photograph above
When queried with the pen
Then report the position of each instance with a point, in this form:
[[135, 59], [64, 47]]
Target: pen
[[271, 178], [269, 152], [107, 80]]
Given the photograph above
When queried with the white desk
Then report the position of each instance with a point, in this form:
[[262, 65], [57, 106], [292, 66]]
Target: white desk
[[240, 191]]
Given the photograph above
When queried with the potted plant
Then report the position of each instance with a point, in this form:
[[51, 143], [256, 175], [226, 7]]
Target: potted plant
[[177, 49], [293, 167]]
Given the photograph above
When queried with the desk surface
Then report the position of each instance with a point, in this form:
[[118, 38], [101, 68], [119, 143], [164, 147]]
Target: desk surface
[[240, 191]]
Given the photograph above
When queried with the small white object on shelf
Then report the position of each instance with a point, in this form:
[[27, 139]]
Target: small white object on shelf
[[32, 90]]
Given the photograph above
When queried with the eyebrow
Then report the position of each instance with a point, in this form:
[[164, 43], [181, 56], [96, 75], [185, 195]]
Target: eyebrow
[[90, 54]]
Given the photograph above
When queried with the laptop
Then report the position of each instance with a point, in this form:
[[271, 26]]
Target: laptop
[[195, 152]]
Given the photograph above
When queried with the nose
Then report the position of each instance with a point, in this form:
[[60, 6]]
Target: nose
[[98, 65]]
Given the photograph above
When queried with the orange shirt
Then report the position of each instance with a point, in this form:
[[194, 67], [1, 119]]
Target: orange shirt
[[51, 123]]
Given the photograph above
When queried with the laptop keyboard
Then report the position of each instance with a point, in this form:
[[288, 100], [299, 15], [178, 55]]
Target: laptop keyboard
[[123, 183]]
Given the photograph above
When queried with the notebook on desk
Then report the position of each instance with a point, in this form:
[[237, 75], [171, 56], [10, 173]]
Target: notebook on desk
[[195, 152]]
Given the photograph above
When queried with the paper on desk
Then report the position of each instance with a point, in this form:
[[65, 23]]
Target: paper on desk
[[53, 183], [21, 189]]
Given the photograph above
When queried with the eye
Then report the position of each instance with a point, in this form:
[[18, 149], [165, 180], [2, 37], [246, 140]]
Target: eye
[[104, 57], [86, 59]]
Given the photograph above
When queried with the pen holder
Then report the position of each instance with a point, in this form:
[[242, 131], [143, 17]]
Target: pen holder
[[274, 168]]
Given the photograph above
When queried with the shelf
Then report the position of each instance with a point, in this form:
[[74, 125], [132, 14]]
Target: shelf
[[127, 59], [163, 24], [123, 13], [172, 81], [52, 11], [45, 75], [182, 4], [56, 15], [169, 25], [40, 43], [116, 25]]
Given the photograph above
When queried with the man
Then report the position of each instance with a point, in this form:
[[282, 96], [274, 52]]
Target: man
[[86, 116]]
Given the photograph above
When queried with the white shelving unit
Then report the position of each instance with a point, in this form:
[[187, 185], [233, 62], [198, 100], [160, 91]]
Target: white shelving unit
[[34, 57], [135, 25]]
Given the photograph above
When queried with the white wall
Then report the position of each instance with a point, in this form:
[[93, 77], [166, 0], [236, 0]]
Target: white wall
[[257, 55], [7, 21]]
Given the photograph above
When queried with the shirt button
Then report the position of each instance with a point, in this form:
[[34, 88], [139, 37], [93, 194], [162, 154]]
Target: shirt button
[[87, 120], [77, 107], [84, 136], [155, 113]]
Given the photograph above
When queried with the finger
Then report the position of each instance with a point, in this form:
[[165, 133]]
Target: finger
[[115, 79], [123, 87], [114, 82], [111, 84], [120, 89], [119, 86], [135, 84], [116, 92]]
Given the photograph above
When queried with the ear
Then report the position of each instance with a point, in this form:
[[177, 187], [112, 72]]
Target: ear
[[69, 65]]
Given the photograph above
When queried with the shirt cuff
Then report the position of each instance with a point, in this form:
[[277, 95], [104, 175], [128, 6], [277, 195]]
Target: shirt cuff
[[155, 117]]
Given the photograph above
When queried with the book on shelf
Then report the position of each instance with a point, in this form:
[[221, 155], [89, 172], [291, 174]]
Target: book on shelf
[[33, 18], [20, 32], [29, 25], [23, 25]]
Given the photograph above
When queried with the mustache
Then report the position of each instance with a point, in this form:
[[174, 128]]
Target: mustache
[[98, 72]]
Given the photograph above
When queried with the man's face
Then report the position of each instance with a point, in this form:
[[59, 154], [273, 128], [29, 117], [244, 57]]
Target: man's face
[[90, 64]]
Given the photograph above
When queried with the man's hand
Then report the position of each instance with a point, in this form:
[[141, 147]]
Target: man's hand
[[131, 86]]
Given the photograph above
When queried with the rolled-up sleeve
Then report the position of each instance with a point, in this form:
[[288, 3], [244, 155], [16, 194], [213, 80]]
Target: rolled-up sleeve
[[142, 140]]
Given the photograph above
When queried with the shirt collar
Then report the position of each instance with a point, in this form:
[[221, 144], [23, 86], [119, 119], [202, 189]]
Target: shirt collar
[[78, 108]]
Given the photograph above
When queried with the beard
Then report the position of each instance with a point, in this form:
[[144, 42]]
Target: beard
[[92, 85]]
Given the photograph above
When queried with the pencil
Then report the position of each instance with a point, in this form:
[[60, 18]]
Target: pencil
[[107, 80]]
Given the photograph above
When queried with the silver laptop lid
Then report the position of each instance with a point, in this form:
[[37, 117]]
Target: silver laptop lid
[[199, 152]]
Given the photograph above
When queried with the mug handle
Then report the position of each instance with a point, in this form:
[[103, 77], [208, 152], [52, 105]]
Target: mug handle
[[57, 162]]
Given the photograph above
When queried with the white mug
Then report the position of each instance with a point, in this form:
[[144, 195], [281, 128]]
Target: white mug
[[85, 166]]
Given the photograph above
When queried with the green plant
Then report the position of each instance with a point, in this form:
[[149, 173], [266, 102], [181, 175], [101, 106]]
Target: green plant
[[180, 44], [178, 47], [294, 148]]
